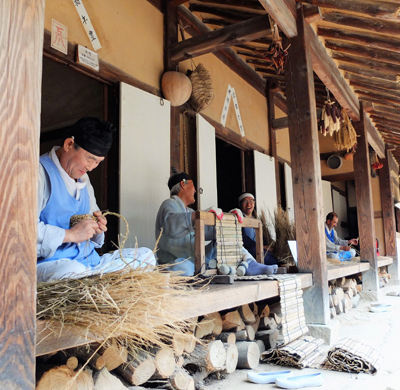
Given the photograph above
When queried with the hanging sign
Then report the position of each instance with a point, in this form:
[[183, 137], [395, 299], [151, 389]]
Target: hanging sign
[[227, 101], [59, 36], [238, 117], [87, 24], [231, 94], [87, 57]]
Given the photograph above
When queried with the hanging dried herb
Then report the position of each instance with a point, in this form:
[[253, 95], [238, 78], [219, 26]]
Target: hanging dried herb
[[276, 53]]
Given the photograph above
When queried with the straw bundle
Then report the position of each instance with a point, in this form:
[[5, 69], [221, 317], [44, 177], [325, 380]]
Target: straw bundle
[[346, 137], [284, 230], [133, 305], [202, 88]]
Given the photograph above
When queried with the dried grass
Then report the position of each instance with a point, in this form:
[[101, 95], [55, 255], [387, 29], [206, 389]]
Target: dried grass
[[284, 231], [135, 306], [202, 88]]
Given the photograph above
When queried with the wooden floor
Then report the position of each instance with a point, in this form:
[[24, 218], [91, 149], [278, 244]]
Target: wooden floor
[[217, 297], [351, 268]]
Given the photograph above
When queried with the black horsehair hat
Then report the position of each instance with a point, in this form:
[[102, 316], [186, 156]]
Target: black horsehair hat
[[93, 135]]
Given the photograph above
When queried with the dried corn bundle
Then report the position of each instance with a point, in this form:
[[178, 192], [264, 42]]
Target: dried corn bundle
[[202, 88], [279, 224], [331, 118], [135, 306], [346, 137]]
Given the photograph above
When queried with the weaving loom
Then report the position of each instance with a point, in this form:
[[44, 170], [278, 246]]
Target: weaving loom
[[229, 229], [229, 241]]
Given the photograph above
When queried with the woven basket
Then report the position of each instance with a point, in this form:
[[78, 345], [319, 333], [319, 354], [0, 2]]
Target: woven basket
[[202, 89]]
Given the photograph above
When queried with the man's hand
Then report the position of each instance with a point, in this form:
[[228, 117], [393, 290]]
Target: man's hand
[[82, 231], [238, 213], [218, 212], [101, 222], [345, 248], [353, 241]]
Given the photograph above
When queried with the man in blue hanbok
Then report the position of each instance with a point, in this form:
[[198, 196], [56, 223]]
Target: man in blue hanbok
[[336, 248], [64, 190]]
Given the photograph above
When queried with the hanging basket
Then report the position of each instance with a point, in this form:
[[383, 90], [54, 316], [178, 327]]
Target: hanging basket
[[202, 88]]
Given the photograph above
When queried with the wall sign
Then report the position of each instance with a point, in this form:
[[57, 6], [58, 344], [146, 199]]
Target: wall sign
[[87, 24], [231, 94], [87, 57], [59, 36]]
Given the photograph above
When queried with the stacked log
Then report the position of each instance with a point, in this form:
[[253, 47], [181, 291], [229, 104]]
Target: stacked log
[[344, 295], [383, 277]]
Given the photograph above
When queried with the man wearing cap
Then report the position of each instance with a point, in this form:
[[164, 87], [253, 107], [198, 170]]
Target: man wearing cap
[[336, 248], [65, 190], [246, 204], [176, 220]]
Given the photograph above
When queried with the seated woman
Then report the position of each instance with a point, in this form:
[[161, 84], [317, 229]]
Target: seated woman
[[246, 204]]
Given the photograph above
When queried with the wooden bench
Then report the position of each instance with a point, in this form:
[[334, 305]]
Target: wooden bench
[[217, 297], [344, 269], [203, 218]]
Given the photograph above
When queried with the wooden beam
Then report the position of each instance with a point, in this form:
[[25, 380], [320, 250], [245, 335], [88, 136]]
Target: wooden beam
[[108, 74], [231, 15], [369, 81], [371, 89], [232, 137], [361, 62], [365, 211], [249, 4], [390, 110], [280, 102], [389, 227], [323, 64], [272, 136], [306, 172], [339, 177], [227, 56], [373, 137], [282, 123], [222, 38], [389, 218], [375, 9], [374, 41], [284, 15], [312, 14], [170, 38], [383, 27], [21, 53], [375, 97], [364, 52]]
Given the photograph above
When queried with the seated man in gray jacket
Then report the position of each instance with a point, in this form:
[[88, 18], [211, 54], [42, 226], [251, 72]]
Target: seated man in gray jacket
[[176, 220], [336, 248]]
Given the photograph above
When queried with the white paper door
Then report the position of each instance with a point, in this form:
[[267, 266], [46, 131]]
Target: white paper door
[[289, 191], [265, 184], [206, 165], [144, 162], [326, 197], [340, 208]]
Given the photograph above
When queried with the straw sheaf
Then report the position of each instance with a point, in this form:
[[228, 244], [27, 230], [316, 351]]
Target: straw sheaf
[[135, 306], [284, 230], [202, 88]]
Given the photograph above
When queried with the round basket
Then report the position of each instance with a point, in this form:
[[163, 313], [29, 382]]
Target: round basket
[[202, 89]]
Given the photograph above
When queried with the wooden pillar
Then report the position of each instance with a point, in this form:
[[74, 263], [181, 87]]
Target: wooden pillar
[[306, 174], [389, 222], [271, 84], [170, 37], [365, 210], [21, 50]]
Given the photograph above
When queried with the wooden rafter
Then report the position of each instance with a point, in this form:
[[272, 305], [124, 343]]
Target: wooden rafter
[[227, 56], [384, 26], [377, 9], [369, 73], [228, 14], [248, 30], [323, 64], [374, 41], [248, 4]]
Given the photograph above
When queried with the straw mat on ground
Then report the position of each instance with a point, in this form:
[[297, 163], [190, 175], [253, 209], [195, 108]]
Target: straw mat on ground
[[134, 305]]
